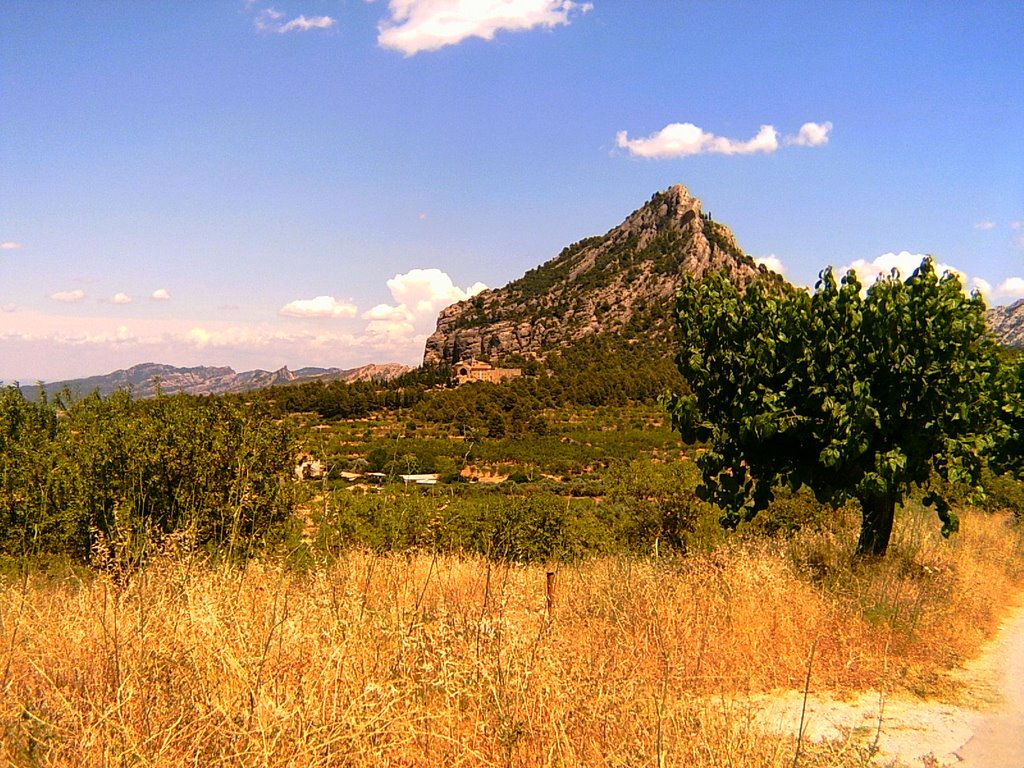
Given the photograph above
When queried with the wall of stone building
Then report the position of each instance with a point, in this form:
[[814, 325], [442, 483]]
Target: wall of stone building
[[464, 373]]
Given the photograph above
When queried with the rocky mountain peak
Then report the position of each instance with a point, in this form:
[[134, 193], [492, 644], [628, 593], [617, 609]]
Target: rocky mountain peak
[[623, 279], [1007, 324]]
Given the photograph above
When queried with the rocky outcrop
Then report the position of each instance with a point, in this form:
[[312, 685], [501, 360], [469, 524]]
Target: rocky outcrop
[[601, 284], [1007, 324]]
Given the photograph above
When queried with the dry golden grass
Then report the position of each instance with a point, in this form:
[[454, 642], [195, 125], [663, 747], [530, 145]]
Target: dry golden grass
[[420, 661]]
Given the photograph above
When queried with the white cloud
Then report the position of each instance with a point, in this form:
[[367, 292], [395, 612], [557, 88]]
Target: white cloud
[[385, 312], [419, 295], [686, 139], [68, 296], [160, 294], [772, 262], [401, 331], [302, 24], [985, 225], [54, 346], [271, 20], [321, 306], [1012, 287], [121, 298], [36, 345], [903, 262], [9, 245], [428, 25], [981, 285], [1017, 225], [811, 135], [427, 291]]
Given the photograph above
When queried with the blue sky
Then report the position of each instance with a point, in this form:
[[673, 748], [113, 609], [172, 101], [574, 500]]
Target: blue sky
[[307, 182]]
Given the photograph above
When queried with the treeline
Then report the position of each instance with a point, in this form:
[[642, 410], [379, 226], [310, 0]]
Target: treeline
[[594, 373], [350, 400], [98, 478], [598, 371]]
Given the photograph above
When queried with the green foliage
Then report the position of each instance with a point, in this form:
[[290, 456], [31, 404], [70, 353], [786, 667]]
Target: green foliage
[[347, 400], [526, 524], [851, 396], [99, 477], [660, 500], [1007, 454]]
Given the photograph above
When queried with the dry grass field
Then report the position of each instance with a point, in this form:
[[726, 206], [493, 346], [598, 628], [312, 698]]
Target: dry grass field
[[373, 660]]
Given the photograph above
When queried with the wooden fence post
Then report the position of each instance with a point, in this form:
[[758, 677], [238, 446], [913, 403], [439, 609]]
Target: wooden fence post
[[550, 588]]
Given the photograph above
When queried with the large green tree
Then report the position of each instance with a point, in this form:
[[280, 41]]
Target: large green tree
[[1007, 452], [855, 395]]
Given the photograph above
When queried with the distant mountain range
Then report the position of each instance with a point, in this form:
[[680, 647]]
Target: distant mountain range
[[143, 380]]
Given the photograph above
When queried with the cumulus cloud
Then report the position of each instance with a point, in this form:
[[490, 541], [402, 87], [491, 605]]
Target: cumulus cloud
[[428, 25], [427, 291], [903, 262], [811, 135], [1012, 287], [160, 294], [419, 295], [985, 225], [121, 298], [385, 312], [54, 345], [772, 262], [37, 345], [687, 139], [321, 306], [9, 245], [272, 20], [981, 285], [68, 296]]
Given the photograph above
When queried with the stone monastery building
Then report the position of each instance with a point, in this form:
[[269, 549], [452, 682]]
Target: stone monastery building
[[473, 370]]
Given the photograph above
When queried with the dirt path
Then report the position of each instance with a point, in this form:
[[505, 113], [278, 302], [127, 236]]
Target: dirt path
[[986, 732], [998, 733]]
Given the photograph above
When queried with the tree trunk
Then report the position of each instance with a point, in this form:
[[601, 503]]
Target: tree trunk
[[877, 514]]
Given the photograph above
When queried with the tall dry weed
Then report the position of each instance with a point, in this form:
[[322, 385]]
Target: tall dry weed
[[414, 660]]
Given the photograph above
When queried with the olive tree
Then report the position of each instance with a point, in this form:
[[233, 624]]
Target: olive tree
[[856, 395]]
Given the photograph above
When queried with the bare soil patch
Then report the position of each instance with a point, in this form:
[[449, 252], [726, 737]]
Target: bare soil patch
[[983, 728]]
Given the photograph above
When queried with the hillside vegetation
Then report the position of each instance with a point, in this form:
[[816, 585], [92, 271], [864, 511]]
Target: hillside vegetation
[[255, 578], [172, 596]]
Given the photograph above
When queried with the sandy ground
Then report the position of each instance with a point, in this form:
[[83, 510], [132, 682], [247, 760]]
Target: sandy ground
[[987, 731]]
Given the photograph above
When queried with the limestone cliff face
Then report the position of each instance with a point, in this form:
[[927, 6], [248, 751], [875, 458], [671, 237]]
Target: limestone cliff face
[[1007, 323], [601, 284]]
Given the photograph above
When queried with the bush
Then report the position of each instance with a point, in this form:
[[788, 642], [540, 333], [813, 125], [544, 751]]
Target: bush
[[98, 477]]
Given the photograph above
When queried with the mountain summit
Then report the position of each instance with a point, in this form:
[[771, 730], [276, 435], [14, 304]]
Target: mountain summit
[[1007, 324], [621, 282]]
